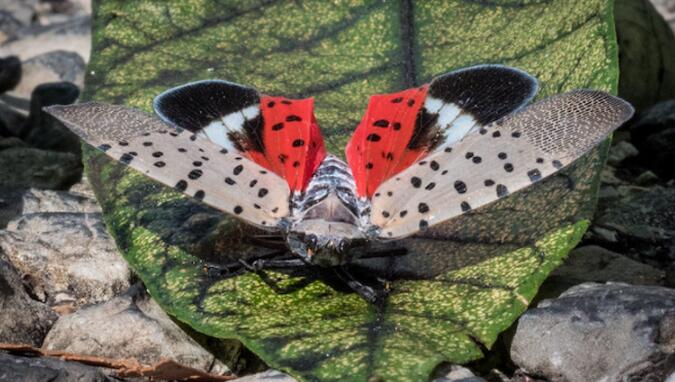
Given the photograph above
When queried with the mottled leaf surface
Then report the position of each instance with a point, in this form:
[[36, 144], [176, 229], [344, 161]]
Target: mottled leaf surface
[[460, 286]]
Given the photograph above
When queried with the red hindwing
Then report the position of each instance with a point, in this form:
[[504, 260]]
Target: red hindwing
[[293, 146], [379, 148]]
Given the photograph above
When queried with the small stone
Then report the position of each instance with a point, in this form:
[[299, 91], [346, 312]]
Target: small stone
[[135, 327], [604, 234], [576, 337], [456, 373], [267, 376], [10, 73], [621, 151], [73, 35], [647, 178]]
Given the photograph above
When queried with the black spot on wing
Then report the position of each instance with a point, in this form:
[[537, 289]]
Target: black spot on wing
[[486, 92], [195, 105]]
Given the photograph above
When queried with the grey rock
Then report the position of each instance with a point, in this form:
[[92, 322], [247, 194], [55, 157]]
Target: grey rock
[[8, 26], [26, 167], [30, 369], [129, 326], [54, 66], [598, 332], [62, 247], [73, 35], [22, 319], [620, 152], [267, 376], [22, 10]]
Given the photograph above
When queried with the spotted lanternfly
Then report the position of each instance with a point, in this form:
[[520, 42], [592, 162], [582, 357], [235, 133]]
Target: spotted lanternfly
[[418, 157]]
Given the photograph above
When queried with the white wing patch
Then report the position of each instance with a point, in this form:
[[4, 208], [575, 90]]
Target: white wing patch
[[189, 163], [496, 160]]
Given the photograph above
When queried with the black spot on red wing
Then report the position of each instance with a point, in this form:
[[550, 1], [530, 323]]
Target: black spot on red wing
[[556, 163], [293, 118], [230, 181], [390, 156], [416, 182], [373, 138], [430, 186], [411, 102], [397, 126], [126, 158], [181, 185], [296, 164], [460, 186], [195, 174], [157, 154], [278, 126], [534, 175], [465, 206], [159, 164], [397, 100], [381, 123], [403, 213], [270, 104], [238, 210], [369, 165], [298, 143], [262, 192], [282, 158], [422, 208], [104, 147], [199, 195], [286, 102], [489, 182], [502, 190], [508, 167]]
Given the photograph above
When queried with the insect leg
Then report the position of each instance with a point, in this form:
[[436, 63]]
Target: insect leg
[[366, 292]]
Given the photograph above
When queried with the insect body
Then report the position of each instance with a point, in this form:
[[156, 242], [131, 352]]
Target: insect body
[[418, 158]]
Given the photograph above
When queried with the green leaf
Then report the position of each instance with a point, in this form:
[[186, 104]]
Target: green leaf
[[473, 279]]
